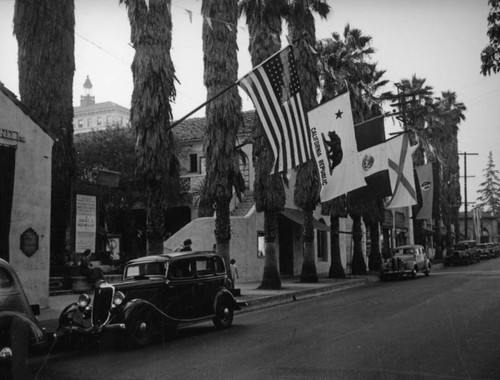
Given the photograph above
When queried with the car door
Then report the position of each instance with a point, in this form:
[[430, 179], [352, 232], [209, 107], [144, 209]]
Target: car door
[[206, 282], [180, 303]]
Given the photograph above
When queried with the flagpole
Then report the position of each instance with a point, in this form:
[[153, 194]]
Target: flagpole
[[177, 122]]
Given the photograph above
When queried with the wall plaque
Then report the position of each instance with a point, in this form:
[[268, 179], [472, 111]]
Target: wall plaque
[[29, 242]]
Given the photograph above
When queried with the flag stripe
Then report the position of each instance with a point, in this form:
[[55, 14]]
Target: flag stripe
[[275, 91], [263, 116]]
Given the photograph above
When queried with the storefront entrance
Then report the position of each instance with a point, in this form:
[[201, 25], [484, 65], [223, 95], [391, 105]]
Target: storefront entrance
[[7, 169]]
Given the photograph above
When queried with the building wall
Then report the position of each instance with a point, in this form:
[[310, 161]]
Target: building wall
[[87, 119], [31, 198]]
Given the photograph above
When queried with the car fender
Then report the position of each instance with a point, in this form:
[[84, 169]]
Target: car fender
[[37, 335], [138, 305], [226, 295]]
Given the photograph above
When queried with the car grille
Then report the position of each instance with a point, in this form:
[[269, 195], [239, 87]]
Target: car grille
[[103, 299]]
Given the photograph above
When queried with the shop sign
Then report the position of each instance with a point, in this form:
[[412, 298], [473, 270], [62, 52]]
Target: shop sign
[[11, 135]]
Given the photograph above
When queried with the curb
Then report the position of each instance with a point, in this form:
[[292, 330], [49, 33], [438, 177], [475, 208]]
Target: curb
[[299, 295]]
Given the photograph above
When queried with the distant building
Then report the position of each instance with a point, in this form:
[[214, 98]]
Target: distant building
[[92, 116]]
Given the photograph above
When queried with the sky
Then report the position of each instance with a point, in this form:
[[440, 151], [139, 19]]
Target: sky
[[439, 40]]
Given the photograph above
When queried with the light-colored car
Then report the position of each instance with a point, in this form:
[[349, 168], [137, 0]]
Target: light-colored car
[[406, 260]]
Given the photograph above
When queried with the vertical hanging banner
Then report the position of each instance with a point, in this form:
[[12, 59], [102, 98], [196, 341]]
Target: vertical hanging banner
[[399, 154], [428, 190], [334, 147]]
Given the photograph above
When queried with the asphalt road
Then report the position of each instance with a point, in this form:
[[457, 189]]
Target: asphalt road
[[445, 326]]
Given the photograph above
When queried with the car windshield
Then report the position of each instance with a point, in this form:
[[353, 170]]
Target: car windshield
[[405, 251], [144, 270]]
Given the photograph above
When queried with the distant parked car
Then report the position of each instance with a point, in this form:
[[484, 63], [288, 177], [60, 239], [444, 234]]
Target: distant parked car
[[406, 260], [157, 294], [494, 249], [485, 251], [20, 332], [464, 252]]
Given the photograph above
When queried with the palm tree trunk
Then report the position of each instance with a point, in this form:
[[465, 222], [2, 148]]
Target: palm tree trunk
[[271, 277], [358, 262], [308, 273], [45, 33], [223, 232], [336, 267], [374, 259]]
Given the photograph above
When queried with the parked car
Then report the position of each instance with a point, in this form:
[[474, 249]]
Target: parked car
[[495, 251], [485, 251], [20, 332], [157, 293], [464, 252], [406, 260]]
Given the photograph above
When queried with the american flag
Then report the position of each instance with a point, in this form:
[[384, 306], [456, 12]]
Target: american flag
[[274, 89]]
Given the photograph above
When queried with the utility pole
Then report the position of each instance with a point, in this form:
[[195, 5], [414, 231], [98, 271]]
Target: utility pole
[[465, 154]]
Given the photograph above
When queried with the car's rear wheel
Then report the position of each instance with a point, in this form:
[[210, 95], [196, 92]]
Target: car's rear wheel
[[140, 329], [223, 314]]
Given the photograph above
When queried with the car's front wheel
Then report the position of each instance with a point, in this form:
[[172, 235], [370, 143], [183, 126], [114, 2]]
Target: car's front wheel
[[223, 314], [140, 329]]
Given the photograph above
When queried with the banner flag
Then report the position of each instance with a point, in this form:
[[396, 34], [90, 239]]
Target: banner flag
[[427, 190], [274, 89], [334, 147], [372, 152], [401, 174]]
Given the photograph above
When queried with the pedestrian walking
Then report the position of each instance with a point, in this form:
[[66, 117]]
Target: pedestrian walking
[[234, 271]]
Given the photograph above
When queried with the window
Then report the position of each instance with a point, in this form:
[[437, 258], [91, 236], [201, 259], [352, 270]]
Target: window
[[99, 121], [121, 120], [260, 244], [193, 163], [109, 120], [6, 280], [219, 265], [322, 239], [80, 123], [180, 269], [89, 123], [204, 267]]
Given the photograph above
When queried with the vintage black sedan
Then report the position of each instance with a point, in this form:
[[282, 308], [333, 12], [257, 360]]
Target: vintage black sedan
[[406, 260], [156, 294], [20, 332]]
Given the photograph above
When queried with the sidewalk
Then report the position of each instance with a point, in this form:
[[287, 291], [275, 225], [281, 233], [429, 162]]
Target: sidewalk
[[251, 296]]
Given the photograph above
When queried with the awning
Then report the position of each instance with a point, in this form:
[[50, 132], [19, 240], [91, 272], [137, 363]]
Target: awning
[[298, 217]]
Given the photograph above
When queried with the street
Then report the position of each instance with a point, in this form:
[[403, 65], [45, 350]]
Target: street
[[440, 327]]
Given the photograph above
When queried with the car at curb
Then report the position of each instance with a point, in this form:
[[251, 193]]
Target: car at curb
[[156, 294], [20, 331], [485, 251], [464, 252], [406, 260]]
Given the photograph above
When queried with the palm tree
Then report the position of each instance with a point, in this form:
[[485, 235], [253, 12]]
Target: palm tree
[[447, 115], [46, 40], [264, 23], [151, 112], [344, 59], [223, 115], [301, 27]]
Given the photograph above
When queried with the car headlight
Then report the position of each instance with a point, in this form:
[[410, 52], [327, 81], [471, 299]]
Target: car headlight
[[118, 298], [6, 353], [83, 300]]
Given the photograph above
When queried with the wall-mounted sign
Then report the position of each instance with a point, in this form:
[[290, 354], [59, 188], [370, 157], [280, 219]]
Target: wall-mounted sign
[[29, 242], [7, 134], [86, 222]]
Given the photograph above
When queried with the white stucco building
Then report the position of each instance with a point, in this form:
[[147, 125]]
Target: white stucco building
[[25, 193]]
